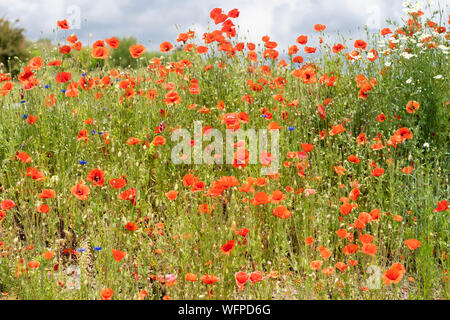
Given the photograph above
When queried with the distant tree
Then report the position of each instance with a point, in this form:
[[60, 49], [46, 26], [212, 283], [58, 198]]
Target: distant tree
[[121, 57], [12, 44], [39, 47]]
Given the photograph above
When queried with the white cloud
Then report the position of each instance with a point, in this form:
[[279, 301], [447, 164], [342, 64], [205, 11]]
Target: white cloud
[[156, 20]]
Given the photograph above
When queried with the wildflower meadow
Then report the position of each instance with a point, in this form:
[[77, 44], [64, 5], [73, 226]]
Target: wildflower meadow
[[218, 168]]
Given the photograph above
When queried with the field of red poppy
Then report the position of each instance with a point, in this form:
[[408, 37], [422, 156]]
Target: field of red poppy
[[99, 202]]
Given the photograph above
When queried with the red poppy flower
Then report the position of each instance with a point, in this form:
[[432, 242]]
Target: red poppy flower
[[100, 53], [350, 249], [165, 46], [33, 264], [118, 255], [43, 208], [315, 265], [256, 276], [128, 195], [319, 27], [307, 147], [97, 177], [281, 212], [441, 206], [23, 157], [191, 277], [260, 198], [158, 141], [7, 204], [65, 49], [412, 106], [48, 255], [112, 42], [209, 279], [35, 174], [107, 293], [369, 249], [394, 274], [338, 47], [360, 44], [63, 77], [241, 278], [118, 183], [63, 24], [131, 226], [36, 63], [228, 247], [80, 190], [172, 195], [137, 50], [133, 141], [412, 244], [377, 172], [302, 39], [47, 194]]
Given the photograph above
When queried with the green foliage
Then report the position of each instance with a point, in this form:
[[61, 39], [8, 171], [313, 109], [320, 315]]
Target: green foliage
[[12, 45], [39, 48], [177, 237], [120, 57]]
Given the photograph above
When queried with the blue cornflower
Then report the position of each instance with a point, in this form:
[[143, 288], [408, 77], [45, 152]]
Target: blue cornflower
[[98, 248], [82, 162], [100, 133], [291, 128], [93, 131], [63, 91], [81, 250], [23, 101], [24, 116], [48, 86]]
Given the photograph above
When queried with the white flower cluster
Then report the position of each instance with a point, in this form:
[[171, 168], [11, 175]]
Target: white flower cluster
[[370, 55], [407, 55], [408, 7], [443, 48]]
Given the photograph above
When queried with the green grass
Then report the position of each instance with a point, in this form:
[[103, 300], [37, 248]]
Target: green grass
[[190, 241]]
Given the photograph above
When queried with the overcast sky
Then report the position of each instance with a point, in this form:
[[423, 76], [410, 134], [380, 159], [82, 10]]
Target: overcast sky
[[157, 20]]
